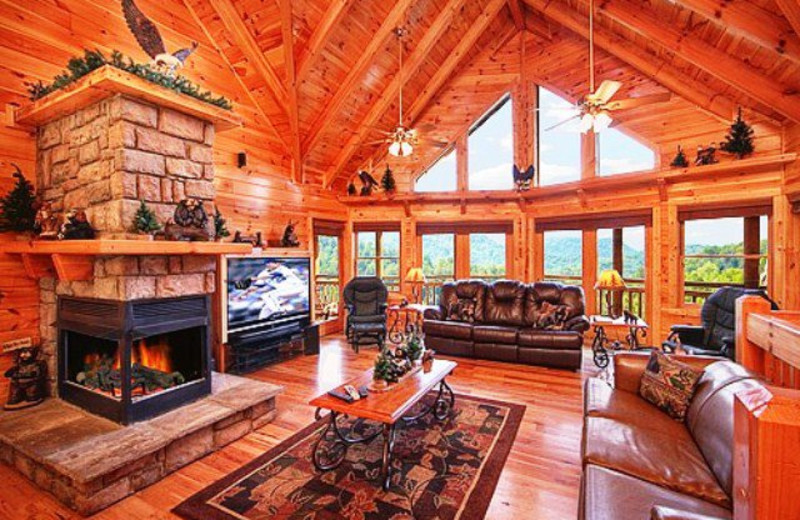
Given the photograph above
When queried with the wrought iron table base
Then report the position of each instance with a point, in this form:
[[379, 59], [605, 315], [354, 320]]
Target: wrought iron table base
[[329, 454], [602, 345]]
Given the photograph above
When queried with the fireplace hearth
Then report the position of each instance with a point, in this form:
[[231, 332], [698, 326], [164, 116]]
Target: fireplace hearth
[[129, 361]]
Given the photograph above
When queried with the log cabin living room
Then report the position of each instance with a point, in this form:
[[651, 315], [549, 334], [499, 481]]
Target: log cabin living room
[[418, 259]]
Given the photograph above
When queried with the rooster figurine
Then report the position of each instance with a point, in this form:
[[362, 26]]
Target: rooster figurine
[[150, 40]]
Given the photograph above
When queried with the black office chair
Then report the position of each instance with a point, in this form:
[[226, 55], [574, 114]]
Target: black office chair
[[716, 336], [365, 299]]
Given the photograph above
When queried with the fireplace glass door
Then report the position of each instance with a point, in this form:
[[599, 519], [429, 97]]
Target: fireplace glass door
[[157, 363]]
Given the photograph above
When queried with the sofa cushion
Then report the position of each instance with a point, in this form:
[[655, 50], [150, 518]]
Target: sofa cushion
[[552, 339], [505, 303], [496, 351], [494, 334], [570, 296], [610, 495], [468, 290], [668, 458], [603, 400], [669, 384], [710, 416], [448, 329]]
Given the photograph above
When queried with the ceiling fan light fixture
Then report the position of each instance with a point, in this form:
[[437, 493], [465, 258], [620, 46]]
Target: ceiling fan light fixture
[[602, 121], [395, 149]]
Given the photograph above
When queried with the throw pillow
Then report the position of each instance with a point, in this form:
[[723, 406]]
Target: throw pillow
[[551, 316], [669, 384], [462, 310]]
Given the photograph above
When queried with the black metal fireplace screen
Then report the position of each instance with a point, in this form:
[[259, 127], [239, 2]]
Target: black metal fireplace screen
[[129, 361]]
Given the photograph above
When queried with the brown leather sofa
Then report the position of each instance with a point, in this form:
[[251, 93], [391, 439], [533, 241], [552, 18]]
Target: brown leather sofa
[[506, 312], [638, 463]]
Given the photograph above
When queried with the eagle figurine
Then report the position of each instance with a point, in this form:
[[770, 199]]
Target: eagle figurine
[[368, 183], [150, 40], [523, 179]]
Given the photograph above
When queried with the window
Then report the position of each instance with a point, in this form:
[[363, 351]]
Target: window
[[559, 148], [327, 276], [491, 149], [628, 257], [563, 256], [440, 176], [438, 264], [620, 153], [378, 254], [487, 255], [723, 251]]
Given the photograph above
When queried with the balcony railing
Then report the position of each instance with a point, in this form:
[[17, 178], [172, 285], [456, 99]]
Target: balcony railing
[[633, 297], [328, 295]]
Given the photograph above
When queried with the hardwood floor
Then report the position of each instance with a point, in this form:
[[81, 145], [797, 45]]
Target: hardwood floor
[[540, 479]]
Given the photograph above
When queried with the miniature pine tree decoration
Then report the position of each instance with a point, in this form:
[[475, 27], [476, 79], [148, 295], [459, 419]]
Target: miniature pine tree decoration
[[144, 221], [17, 209], [680, 160], [220, 227], [739, 140], [387, 181], [384, 368]]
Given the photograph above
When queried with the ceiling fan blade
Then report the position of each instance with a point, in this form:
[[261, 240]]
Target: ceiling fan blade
[[604, 92], [627, 104], [562, 123]]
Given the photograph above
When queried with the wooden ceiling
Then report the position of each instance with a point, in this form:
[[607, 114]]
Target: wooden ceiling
[[317, 77]]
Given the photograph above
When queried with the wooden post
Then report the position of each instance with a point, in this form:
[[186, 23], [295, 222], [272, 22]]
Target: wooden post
[[462, 165], [617, 261], [590, 269], [748, 354], [766, 474], [752, 246], [588, 155]]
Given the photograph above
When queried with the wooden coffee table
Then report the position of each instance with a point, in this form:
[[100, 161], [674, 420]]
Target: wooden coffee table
[[386, 408]]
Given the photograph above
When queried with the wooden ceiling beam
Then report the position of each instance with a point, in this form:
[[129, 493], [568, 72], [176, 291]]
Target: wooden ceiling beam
[[517, 14], [321, 37], [647, 64], [444, 72], [748, 20], [697, 51], [791, 10], [410, 68], [234, 72], [247, 44], [287, 34], [327, 115]]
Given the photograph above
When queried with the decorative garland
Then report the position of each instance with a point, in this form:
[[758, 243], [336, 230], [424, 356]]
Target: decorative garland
[[79, 67]]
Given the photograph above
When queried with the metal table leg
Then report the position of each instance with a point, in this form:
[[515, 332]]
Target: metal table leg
[[388, 446]]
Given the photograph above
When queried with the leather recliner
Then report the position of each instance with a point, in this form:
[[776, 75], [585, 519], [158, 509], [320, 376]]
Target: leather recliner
[[640, 463], [504, 323]]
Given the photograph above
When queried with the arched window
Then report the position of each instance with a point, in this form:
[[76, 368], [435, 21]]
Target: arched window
[[559, 146], [491, 149], [440, 176], [620, 153]]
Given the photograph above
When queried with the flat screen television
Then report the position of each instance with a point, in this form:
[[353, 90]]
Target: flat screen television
[[262, 290]]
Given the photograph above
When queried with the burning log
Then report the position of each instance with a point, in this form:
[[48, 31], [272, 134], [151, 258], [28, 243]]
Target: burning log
[[105, 377]]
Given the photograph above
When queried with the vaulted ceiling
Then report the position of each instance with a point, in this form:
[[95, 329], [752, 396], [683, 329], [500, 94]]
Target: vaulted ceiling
[[315, 79], [325, 73]]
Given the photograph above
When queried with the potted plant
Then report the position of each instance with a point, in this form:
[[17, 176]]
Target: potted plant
[[383, 372], [145, 222], [414, 347], [18, 207]]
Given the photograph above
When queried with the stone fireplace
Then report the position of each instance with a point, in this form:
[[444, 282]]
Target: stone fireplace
[[130, 361]]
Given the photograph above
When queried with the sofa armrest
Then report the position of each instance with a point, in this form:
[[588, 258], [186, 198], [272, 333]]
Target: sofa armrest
[[668, 513], [433, 312], [577, 324], [629, 367], [691, 334]]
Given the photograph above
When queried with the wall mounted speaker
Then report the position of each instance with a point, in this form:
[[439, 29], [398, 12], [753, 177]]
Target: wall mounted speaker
[[241, 159]]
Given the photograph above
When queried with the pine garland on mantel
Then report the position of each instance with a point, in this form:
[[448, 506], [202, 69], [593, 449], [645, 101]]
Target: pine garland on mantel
[[79, 67]]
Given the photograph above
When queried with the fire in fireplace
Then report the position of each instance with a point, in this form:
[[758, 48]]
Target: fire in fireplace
[[132, 360]]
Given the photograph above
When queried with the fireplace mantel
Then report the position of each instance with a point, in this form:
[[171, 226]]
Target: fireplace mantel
[[73, 260], [108, 81]]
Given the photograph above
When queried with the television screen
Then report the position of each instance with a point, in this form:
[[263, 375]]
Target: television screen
[[267, 289]]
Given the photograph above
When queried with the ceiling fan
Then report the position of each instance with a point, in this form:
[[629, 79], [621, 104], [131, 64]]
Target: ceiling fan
[[401, 139], [594, 110]]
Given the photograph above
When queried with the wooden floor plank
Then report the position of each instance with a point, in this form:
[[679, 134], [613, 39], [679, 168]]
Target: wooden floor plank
[[540, 479]]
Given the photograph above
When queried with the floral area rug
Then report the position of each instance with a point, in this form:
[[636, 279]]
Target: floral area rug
[[440, 470]]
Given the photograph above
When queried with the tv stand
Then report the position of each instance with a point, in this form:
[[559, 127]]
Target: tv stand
[[253, 348]]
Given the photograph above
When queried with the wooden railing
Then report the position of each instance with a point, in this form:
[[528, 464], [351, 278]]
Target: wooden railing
[[328, 295], [766, 475], [633, 297]]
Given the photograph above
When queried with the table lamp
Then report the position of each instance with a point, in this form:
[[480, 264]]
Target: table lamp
[[415, 277], [610, 281]]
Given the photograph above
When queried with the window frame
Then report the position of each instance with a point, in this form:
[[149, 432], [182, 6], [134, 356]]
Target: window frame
[[392, 283]]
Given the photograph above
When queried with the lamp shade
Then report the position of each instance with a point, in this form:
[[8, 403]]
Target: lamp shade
[[610, 280], [415, 275]]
